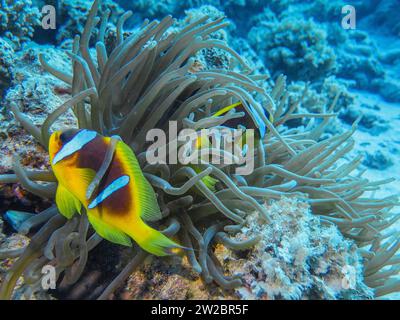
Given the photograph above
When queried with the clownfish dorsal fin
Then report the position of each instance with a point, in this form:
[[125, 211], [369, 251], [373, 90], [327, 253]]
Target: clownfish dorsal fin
[[209, 181], [149, 209], [67, 203], [108, 232]]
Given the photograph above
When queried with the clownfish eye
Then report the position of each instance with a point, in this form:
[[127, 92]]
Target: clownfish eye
[[63, 137], [67, 135]]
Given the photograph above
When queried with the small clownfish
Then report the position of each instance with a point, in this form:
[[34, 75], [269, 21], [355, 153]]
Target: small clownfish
[[123, 200], [249, 121]]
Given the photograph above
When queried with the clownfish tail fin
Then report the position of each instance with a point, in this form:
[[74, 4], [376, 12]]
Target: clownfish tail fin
[[153, 241]]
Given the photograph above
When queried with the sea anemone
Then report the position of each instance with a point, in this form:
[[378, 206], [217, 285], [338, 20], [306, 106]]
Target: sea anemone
[[150, 78]]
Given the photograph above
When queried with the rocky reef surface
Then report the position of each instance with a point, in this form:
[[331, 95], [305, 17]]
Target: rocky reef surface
[[304, 41], [298, 258]]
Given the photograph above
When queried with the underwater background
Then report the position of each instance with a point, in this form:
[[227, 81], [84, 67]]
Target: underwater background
[[300, 257]]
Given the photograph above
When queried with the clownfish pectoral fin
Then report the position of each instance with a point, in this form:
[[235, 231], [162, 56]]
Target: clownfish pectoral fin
[[108, 232], [66, 202], [210, 183]]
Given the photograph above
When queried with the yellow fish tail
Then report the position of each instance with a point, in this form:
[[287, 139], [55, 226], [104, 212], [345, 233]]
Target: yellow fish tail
[[153, 241]]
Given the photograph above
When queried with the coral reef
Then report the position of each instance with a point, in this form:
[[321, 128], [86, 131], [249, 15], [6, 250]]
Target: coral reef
[[153, 8], [15, 243], [290, 42], [381, 17], [18, 19], [170, 279], [6, 63], [356, 58], [296, 48], [298, 257], [36, 93], [73, 13], [208, 58]]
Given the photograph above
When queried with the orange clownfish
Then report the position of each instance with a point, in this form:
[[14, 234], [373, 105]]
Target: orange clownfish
[[122, 200]]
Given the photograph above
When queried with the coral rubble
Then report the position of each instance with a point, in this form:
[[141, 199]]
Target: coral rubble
[[298, 257]]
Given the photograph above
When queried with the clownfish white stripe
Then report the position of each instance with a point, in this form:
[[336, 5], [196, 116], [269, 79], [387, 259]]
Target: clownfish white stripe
[[109, 190], [259, 121], [81, 138]]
